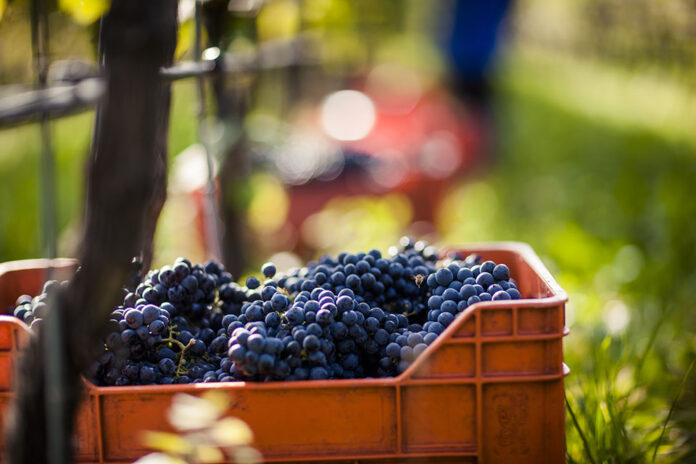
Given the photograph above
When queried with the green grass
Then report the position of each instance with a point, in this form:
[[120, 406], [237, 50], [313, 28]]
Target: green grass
[[601, 188]]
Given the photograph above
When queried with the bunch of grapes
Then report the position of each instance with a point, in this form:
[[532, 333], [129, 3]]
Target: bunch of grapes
[[457, 286], [393, 283], [171, 328], [33, 310], [320, 335], [349, 316]]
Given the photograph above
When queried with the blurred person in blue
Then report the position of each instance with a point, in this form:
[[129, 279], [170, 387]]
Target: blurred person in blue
[[471, 48]]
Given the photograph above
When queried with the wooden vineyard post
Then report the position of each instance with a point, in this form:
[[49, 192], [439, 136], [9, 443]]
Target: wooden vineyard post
[[126, 187]]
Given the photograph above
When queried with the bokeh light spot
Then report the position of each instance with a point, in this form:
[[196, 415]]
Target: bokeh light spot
[[348, 115]]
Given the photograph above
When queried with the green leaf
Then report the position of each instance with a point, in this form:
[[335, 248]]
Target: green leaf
[[278, 20], [587, 448], [84, 11], [671, 409], [167, 442], [184, 38]]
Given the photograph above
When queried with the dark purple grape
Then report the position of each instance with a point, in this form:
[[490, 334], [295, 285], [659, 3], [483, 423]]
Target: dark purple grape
[[133, 318]]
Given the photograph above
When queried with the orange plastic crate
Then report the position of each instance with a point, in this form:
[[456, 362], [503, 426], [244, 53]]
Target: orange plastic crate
[[488, 390]]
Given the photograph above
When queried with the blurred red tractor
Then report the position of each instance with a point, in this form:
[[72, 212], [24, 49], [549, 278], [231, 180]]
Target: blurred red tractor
[[383, 142]]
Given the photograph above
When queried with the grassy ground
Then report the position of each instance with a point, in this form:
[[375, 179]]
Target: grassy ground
[[596, 172]]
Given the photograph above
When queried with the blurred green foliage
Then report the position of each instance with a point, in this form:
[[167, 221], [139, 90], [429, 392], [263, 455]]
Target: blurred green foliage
[[606, 202], [84, 11], [19, 170], [19, 190]]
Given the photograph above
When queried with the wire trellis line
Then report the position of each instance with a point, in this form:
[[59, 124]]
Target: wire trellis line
[[62, 99], [53, 101]]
